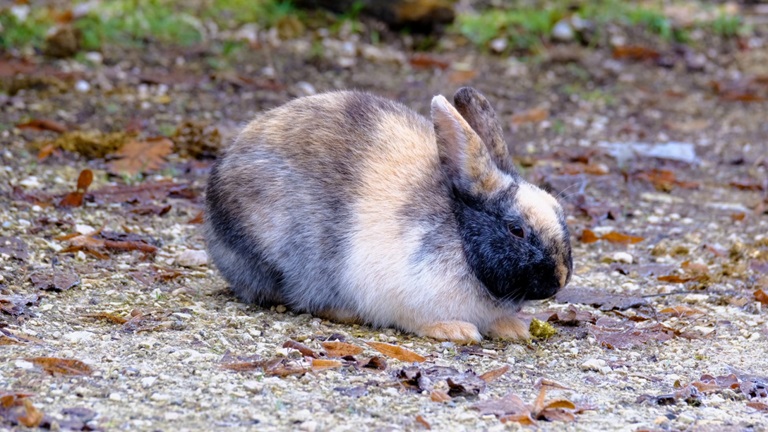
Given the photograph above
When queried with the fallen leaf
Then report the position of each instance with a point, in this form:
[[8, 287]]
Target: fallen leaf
[[534, 115], [676, 278], [283, 368], [748, 185], [396, 352], [324, 364], [242, 364], [510, 404], [605, 301], [17, 408], [148, 321], [198, 219], [635, 52], [45, 151], [761, 296], [14, 247], [61, 366], [55, 280], [300, 347], [16, 304], [589, 236], [375, 362], [493, 375], [107, 316], [571, 316], [423, 422], [460, 77], [616, 237], [426, 61], [340, 349], [681, 311], [760, 406], [75, 199], [43, 125], [665, 180], [626, 334], [142, 193], [141, 156], [738, 217], [439, 396]]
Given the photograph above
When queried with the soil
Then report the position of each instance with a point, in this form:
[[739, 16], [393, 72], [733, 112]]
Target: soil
[[635, 341]]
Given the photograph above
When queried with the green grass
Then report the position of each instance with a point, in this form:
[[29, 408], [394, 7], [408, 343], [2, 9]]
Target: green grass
[[526, 28]]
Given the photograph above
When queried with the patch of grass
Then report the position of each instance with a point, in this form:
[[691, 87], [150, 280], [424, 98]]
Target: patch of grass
[[18, 33], [528, 26]]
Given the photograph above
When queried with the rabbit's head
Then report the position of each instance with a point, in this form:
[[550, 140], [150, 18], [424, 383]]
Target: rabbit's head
[[514, 234]]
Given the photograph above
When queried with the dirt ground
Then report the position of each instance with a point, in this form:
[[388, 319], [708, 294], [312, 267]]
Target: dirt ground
[[663, 326]]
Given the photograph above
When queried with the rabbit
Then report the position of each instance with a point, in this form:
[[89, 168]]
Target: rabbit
[[355, 208]]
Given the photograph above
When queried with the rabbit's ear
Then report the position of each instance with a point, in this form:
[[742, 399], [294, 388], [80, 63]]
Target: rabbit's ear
[[462, 152], [479, 113]]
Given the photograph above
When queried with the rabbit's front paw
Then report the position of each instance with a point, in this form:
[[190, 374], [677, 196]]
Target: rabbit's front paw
[[457, 331], [509, 327]]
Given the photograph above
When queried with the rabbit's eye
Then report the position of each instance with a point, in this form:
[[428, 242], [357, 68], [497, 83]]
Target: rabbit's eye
[[516, 230]]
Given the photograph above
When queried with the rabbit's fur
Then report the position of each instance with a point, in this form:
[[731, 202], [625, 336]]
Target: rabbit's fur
[[355, 208]]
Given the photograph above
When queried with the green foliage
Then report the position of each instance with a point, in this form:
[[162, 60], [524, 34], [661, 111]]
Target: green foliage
[[17, 34], [728, 25], [524, 28]]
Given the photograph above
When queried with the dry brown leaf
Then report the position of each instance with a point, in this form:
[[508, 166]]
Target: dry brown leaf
[[396, 352], [375, 362], [107, 316], [198, 219], [494, 374], [60, 366], [340, 349], [32, 416], [43, 125], [589, 236], [141, 156], [426, 61], [423, 422], [681, 310], [75, 199], [616, 237], [635, 52], [535, 115], [300, 347], [675, 278], [760, 406], [439, 396], [560, 403], [45, 152], [761, 296], [324, 364], [459, 77], [524, 419]]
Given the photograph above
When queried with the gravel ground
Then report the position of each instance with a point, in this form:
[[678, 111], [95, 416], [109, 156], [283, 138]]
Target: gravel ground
[[627, 344]]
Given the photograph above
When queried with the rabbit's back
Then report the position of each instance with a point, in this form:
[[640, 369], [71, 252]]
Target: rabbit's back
[[323, 197]]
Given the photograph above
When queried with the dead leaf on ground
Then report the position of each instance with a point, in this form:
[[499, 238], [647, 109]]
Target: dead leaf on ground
[[141, 156], [107, 316], [426, 61], [55, 279], [664, 180], [90, 144], [761, 296], [99, 243], [61, 366], [534, 115], [760, 406], [14, 247], [142, 193], [197, 219], [43, 125], [376, 362], [241, 363], [423, 422], [493, 375], [75, 199], [459, 383], [681, 311], [9, 338], [149, 321], [748, 185], [17, 408], [589, 236], [396, 352], [325, 364], [605, 301], [197, 140], [511, 408], [340, 349], [439, 396], [300, 347], [572, 316], [635, 52], [16, 305], [614, 334]]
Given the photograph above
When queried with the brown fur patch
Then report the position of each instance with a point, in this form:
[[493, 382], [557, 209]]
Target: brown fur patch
[[509, 327], [465, 152], [457, 331]]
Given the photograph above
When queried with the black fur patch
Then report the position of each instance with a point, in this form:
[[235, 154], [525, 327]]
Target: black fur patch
[[511, 268]]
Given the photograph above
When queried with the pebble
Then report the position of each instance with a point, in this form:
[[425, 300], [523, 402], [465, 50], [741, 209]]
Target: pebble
[[94, 57], [115, 397], [308, 426], [147, 382], [82, 86], [499, 45], [596, 365], [23, 364], [621, 257], [192, 258], [305, 88], [563, 31], [253, 386], [281, 308], [84, 229], [160, 397], [79, 336], [31, 182]]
